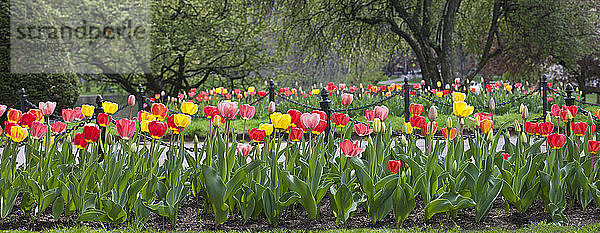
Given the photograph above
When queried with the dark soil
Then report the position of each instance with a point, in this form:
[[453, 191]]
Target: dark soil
[[190, 219]]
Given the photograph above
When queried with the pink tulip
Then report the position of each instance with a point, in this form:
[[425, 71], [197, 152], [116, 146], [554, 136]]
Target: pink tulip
[[79, 115], [247, 111], [131, 100], [244, 148], [2, 109], [555, 110], [381, 112], [58, 127], [362, 129], [38, 130], [347, 98], [228, 110], [126, 128], [69, 114], [47, 107], [310, 120], [370, 115], [351, 149]]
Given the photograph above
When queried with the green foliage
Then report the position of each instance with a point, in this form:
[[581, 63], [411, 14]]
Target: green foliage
[[62, 89]]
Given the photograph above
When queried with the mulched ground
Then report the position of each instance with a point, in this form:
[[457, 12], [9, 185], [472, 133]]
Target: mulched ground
[[191, 220]]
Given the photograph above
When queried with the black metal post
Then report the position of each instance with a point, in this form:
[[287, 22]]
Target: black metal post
[[141, 97], [569, 101], [406, 89], [22, 99], [544, 90], [97, 111], [271, 91], [325, 104]]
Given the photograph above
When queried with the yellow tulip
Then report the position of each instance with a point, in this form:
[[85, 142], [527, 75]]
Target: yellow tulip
[[462, 109], [281, 121], [458, 96], [109, 107], [189, 108], [439, 93], [508, 87], [144, 125], [315, 91], [217, 120], [87, 110], [439, 84], [251, 89], [18, 133], [219, 90], [408, 129], [388, 94], [182, 120], [268, 128]]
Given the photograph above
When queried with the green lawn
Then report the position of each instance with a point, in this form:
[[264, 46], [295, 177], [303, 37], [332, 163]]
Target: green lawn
[[536, 227]]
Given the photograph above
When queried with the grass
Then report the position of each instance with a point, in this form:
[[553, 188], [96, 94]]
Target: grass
[[535, 227]]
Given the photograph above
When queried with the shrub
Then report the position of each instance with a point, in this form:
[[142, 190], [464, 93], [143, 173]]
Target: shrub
[[64, 89]]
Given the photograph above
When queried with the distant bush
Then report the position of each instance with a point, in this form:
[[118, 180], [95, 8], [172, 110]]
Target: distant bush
[[61, 88]]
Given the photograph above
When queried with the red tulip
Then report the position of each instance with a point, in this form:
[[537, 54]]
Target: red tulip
[[14, 115], [362, 129], [160, 111], [556, 141], [340, 119], [579, 128], [483, 116], [247, 111], [346, 99], [505, 155], [244, 148], [47, 108], [126, 128], [210, 111], [320, 127], [350, 149], [573, 110], [531, 128], [394, 166], [370, 115], [172, 126], [79, 141], [38, 114], [27, 119], [415, 109], [593, 146], [381, 112], [592, 128], [131, 100], [545, 128], [7, 126], [68, 115], [157, 129], [38, 130], [430, 129], [91, 132], [418, 122], [555, 110], [227, 109], [309, 120], [296, 134], [103, 119], [256, 135], [295, 114], [449, 134], [564, 117], [262, 93], [58, 127]]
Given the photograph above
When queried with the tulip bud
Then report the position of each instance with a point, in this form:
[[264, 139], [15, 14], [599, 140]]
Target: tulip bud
[[432, 113], [477, 120], [490, 135], [131, 100], [524, 138], [462, 121], [569, 116], [521, 108], [517, 126], [195, 142], [377, 125], [162, 93], [109, 139], [525, 112], [271, 107], [548, 118], [492, 105], [449, 122], [506, 134], [403, 141], [590, 119]]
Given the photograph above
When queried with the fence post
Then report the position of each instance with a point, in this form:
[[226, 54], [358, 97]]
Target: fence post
[[569, 101], [406, 89], [271, 91], [544, 89], [97, 111], [325, 104], [22, 99], [141, 97]]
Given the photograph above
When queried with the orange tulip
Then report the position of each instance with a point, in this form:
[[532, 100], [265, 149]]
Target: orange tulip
[[14, 115], [449, 134], [486, 125], [39, 116], [160, 111]]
